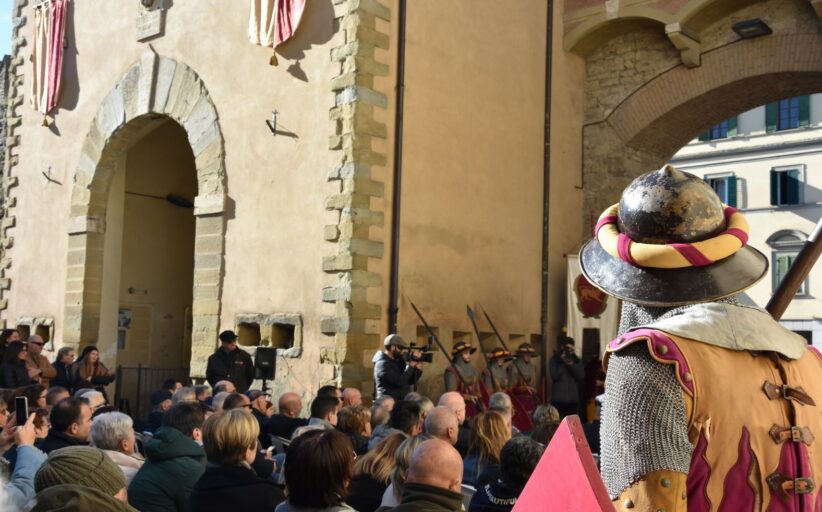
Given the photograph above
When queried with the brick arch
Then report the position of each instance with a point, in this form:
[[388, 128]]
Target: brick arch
[[151, 91], [654, 120]]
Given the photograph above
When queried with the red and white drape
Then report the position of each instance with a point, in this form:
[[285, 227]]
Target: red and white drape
[[47, 54], [272, 22]]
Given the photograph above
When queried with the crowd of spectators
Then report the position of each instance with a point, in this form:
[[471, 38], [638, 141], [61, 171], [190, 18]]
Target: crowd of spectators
[[213, 448]]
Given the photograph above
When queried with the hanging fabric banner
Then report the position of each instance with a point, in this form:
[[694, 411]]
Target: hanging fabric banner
[[273, 22], [47, 54]]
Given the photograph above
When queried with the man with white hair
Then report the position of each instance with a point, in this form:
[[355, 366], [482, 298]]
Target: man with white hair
[[351, 397], [501, 403], [184, 394], [113, 432], [217, 401]]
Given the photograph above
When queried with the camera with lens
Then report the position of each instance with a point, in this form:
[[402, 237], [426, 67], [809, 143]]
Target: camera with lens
[[420, 353]]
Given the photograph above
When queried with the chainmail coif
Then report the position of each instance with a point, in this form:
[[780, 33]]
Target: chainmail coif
[[644, 427]]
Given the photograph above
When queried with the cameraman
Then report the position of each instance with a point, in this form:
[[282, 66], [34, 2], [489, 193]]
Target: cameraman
[[392, 375], [567, 375]]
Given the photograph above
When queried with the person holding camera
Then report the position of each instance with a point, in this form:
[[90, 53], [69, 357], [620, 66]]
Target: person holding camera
[[393, 375], [567, 375]]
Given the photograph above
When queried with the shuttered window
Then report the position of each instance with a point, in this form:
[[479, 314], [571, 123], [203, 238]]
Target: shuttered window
[[725, 188], [723, 130], [788, 113], [782, 263], [786, 186]]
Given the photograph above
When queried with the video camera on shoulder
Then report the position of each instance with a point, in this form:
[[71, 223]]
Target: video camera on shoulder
[[420, 354]]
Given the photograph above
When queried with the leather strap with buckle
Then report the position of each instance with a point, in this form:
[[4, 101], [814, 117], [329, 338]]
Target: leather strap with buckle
[[798, 394], [795, 434], [784, 484]]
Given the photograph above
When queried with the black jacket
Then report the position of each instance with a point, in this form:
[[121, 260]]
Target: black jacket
[[56, 440], [283, 426], [365, 493], [63, 377], [13, 374], [235, 366], [494, 497], [426, 498], [393, 377], [224, 488]]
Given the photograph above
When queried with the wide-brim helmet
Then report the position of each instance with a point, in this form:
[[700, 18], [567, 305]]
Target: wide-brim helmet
[[499, 353], [670, 242], [460, 347]]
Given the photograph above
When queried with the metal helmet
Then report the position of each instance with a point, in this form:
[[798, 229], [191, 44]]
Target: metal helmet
[[669, 206]]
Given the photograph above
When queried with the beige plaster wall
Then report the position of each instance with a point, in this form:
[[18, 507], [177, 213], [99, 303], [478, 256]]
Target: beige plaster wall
[[274, 238], [473, 150]]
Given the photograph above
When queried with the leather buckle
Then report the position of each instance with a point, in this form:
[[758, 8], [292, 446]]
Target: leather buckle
[[797, 394], [784, 484], [795, 434]]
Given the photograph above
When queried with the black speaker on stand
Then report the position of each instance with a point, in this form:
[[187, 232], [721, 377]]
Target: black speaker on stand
[[265, 363]]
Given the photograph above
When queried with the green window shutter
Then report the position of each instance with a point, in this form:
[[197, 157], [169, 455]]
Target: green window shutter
[[804, 111], [774, 188], [732, 127], [704, 137], [783, 263], [793, 187], [771, 114], [732, 191]]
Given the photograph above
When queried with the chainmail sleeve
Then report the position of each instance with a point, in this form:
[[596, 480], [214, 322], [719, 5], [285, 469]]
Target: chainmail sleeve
[[643, 425]]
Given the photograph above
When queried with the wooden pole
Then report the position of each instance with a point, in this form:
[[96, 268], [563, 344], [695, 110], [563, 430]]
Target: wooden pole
[[797, 274]]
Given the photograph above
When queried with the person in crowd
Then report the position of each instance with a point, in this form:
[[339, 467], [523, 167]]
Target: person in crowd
[[90, 372], [546, 423], [263, 466], [393, 375], [518, 459], [172, 384], [229, 483], [202, 392], [6, 337], [35, 395], [462, 377], [489, 433], [160, 403], [355, 421], [231, 364], [41, 430], [567, 374], [236, 401], [351, 397], [323, 415], [62, 368], [77, 498], [421, 400], [319, 466], [174, 462], [405, 418], [261, 408], [224, 386], [184, 394], [37, 361], [433, 482], [288, 418], [332, 391], [442, 423], [55, 394], [70, 425], [501, 402], [20, 488], [113, 432], [385, 402], [454, 401], [372, 474], [218, 400], [95, 400], [381, 412], [393, 493], [84, 466], [13, 372]]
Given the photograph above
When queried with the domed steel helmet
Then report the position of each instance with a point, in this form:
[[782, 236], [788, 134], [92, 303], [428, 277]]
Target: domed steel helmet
[[670, 241]]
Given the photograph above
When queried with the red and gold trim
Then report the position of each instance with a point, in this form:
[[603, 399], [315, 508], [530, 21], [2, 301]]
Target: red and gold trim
[[679, 255]]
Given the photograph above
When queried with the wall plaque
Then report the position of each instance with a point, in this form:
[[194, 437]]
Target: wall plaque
[[150, 19]]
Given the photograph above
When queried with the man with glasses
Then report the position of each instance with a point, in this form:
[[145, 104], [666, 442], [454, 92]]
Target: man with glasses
[[38, 366], [229, 363]]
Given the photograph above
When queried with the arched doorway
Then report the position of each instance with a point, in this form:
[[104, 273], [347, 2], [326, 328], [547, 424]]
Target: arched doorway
[[157, 96]]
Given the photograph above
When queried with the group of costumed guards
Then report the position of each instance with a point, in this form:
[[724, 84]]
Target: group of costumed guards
[[514, 374]]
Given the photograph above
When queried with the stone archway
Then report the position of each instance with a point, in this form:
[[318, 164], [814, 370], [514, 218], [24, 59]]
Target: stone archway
[[154, 87], [636, 121]]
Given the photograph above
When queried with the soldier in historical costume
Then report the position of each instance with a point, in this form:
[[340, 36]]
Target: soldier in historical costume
[[709, 404], [468, 386], [522, 376], [495, 377]]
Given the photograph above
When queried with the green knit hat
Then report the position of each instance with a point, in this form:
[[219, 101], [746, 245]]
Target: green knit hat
[[80, 465]]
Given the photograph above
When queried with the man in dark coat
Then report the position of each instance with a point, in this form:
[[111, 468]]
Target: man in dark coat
[[62, 367], [392, 375], [229, 363], [70, 425]]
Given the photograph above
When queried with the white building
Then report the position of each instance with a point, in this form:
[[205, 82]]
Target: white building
[[768, 163]]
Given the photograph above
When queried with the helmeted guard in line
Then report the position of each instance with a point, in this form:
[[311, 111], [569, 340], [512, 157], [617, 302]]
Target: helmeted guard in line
[[709, 404], [495, 377], [461, 360], [524, 389]]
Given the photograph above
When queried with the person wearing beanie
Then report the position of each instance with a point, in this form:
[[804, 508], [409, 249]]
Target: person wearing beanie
[[81, 465], [77, 498], [230, 363], [160, 403]]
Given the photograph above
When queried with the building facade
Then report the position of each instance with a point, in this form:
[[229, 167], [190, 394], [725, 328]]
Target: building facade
[[768, 162]]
